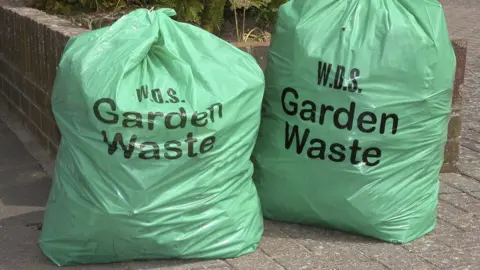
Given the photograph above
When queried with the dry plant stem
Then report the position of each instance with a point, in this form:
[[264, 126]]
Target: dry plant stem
[[118, 4], [243, 24], [236, 21]]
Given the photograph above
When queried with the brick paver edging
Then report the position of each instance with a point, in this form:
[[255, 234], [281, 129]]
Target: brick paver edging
[[31, 45]]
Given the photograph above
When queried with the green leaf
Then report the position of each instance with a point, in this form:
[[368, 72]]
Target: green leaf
[[237, 4]]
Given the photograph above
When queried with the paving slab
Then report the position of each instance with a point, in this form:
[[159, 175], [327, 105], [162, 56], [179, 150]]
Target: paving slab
[[460, 218], [178, 265], [3, 126], [460, 240], [447, 189], [394, 256], [12, 153], [428, 243], [461, 200], [256, 259], [470, 163], [454, 258], [461, 182], [25, 186], [444, 227]]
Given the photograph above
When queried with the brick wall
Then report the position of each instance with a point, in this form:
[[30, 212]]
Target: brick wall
[[31, 44], [452, 149]]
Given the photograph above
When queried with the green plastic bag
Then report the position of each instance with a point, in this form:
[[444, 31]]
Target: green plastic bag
[[158, 121], [357, 103]]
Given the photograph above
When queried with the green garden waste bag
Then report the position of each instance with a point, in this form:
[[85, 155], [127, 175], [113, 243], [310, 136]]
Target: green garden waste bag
[[356, 108], [158, 121]]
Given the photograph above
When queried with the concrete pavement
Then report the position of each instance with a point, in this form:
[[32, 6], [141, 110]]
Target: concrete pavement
[[455, 244]]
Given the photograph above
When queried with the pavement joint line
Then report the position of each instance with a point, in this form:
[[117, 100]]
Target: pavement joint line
[[230, 265], [455, 206], [270, 257], [468, 147], [432, 263], [419, 256], [474, 130], [451, 224], [293, 239], [277, 262], [475, 196], [474, 150], [373, 259], [463, 144], [471, 140], [447, 184], [467, 175]]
